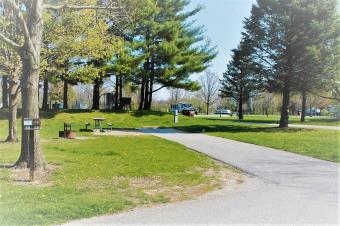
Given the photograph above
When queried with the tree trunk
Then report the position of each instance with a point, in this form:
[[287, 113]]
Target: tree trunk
[[4, 92], [150, 94], [120, 93], [117, 93], [286, 85], [13, 107], [96, 94], [45, 105], [208, 105], [303, 106], [29, 94], [240, 107], [284, 109], [146, 97], [142, 93], [30, 57], [65, 98]]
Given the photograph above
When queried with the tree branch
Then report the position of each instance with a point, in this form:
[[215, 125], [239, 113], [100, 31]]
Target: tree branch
[[13, 6], [61, 7], [158, 89], [16, 47], [329, 98]]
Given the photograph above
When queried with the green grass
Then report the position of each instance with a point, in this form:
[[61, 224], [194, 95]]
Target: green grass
[[99, 175], [96, 176], [322, 144], [318, 121]]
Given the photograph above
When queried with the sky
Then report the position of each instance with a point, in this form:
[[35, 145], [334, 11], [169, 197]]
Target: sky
[[222, 20]]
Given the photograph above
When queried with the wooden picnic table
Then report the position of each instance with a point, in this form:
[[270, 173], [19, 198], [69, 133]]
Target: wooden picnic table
[[98, 123]]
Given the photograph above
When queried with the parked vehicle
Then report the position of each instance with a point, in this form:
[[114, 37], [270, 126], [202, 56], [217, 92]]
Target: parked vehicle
[[183, 108], [313, 112], [223, 112]]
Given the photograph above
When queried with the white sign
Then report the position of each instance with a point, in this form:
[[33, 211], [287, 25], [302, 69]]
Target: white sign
[[28, 122]]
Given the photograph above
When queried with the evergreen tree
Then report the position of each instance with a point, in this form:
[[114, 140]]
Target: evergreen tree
[[281, 37], [318, 65], [173, 48], [241, 79]]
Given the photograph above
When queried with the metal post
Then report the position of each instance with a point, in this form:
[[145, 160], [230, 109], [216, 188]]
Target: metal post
[[176, 116], [31, 154]]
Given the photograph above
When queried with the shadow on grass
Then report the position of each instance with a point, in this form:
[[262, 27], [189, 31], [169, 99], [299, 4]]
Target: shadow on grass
[[245, 120], [148, 113], [236, 129], [50, 114]]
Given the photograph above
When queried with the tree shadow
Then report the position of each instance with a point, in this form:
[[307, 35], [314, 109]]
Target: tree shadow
[[236, 129], [148, 113], [7, 166], [245, 120]]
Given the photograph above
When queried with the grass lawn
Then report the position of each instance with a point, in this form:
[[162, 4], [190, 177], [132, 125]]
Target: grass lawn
[[322, 144], [318, 121], [101, 175]]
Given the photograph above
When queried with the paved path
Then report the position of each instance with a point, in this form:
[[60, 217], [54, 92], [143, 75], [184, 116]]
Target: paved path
[[286, 188]]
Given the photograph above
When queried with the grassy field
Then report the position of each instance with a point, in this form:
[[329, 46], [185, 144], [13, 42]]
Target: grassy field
[[100, 175], [275, 119], [323, 144]]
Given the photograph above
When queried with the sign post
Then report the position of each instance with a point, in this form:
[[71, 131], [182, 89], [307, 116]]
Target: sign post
[[31, 125], [176, 116]]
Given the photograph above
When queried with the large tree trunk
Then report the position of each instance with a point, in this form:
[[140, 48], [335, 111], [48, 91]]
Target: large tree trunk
[[146, 97], [142, 95], [117, 94], [4, 92], [150, 93], [286, 85], [240, 107], [208, 106], [65, 97], [30, 56], [45, 105], [284, 109], [120, 93], [303, 106], [13, 107], [96, 94]]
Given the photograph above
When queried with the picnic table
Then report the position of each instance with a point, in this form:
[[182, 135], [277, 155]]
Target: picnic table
[[98, 123]]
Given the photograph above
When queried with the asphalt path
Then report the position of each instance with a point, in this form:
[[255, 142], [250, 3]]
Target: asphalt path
[[283, 188]]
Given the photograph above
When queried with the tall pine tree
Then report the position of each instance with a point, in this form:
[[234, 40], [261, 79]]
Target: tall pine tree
[[241, 79]]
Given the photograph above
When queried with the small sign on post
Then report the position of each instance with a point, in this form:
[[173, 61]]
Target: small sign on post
[[176, 116], [31, 125]]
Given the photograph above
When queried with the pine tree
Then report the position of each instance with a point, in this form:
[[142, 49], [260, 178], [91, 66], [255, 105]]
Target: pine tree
[[173, 48], [241, 79], [283, 37]]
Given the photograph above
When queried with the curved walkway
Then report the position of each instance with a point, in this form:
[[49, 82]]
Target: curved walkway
[[286, 188]]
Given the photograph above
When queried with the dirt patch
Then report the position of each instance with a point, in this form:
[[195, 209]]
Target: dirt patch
[[41, 177], [119, 133], [159, 190]]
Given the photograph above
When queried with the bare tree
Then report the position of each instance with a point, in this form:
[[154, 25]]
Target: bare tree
[[210, 83], [176, 95], [267, 102]]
